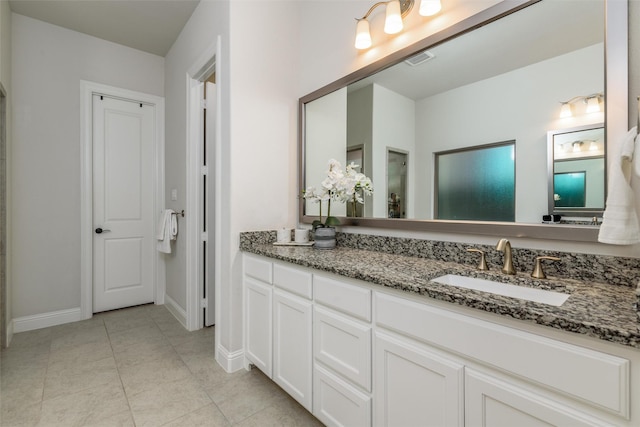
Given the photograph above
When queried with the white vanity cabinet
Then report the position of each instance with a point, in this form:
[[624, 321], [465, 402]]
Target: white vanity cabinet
[[358, 354]]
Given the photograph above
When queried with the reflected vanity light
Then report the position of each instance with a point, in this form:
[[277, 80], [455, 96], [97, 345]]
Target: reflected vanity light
[[396, 10], [592, 101]]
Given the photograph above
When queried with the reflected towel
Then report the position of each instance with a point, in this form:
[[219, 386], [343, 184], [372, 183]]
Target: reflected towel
[[167, 230], [620, 220]]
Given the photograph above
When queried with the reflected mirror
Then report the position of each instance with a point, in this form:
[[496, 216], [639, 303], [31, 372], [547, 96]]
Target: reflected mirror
[[473, 85], [577, 171]]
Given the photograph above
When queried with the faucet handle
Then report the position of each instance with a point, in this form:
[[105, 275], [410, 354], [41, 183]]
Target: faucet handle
[[538, 273], [483, 261]]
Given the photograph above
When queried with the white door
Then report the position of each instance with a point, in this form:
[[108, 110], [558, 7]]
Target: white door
[[209, 206], [123, 239]]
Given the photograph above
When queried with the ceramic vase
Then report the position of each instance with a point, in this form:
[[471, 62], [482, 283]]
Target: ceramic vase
[[325, 238]]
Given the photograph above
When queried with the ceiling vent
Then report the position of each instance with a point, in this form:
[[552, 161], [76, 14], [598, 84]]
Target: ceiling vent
[[419, 58]]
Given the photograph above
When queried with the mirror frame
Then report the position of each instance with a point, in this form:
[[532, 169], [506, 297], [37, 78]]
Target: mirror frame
[[616, 98]]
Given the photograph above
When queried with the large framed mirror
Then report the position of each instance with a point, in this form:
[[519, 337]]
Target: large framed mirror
[[497, 76]]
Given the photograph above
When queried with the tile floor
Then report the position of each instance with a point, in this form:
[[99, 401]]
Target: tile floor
[[133, 367]]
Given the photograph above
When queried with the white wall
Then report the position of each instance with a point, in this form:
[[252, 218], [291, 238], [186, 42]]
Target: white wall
[[394, 127], [327, 55], [486, 112], [209, 20], [328, 140], [48, 64], [259, 62]]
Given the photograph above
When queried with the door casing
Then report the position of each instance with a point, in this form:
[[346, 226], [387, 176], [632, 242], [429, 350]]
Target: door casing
[[87, 90]]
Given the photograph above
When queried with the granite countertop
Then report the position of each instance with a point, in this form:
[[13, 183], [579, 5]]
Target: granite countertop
[[598, 310]]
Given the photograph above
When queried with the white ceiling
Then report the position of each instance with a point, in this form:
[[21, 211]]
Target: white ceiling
[[148, 25]]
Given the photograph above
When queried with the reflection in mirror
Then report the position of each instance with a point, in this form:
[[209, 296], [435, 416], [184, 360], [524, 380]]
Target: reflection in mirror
[[397, 184], [501, 82], [577, 171]]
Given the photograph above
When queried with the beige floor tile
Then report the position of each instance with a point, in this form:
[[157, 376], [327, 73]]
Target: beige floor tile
[[283, 412], [209, 416], [103, 405], [167, 402], [67, 379], [144, 352], [244, 395], [37, 338], [74, 327], [73, 355], [124, 338], [142, 377], [73, 338], [19, 413], [118, 324], [24, 386]]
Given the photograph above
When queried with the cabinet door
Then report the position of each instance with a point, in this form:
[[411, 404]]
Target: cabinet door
[[343, 345], [415, 386], [492, 402], [258, 324], [337, 403], [292, 368]]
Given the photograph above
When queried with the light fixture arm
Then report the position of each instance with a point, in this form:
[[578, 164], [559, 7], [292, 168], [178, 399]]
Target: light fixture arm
[[405, 7]]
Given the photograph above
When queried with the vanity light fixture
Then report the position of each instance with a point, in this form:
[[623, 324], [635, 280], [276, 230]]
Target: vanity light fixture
[[396, 10], [592, 101]]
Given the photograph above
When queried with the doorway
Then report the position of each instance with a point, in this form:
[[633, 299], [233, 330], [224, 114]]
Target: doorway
[[3, 217], [124, 107]]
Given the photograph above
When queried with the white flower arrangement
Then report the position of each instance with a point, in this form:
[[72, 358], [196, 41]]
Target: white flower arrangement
[[340, 186]]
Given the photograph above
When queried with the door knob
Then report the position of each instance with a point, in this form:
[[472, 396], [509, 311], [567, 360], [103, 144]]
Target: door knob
[[100, 230]]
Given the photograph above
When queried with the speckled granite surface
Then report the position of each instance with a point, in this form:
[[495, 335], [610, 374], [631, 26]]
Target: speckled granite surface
[[595, 307]]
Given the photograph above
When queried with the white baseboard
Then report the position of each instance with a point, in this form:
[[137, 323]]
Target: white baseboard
[[175, 309], [230, 361], [44, 320], [9, 335]]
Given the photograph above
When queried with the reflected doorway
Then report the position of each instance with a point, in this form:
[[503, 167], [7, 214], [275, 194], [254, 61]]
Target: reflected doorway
[[397, 183]]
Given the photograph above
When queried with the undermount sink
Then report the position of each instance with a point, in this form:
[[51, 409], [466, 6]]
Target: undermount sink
[[504, 289]]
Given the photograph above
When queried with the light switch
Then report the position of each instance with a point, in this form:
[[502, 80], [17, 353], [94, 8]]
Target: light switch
[[174, 194]]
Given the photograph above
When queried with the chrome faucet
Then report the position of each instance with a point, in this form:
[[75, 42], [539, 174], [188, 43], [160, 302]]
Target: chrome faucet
[[504, 246]]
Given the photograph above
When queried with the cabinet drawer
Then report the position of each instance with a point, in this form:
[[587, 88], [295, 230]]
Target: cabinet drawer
[[344, 345], [349, 299], [336, 403], [588, 375], [292, 280], [258, 268]]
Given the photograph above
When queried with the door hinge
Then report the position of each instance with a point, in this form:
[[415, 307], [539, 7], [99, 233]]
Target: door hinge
[[204, 303], [204, 170], [204, 236], [203, 103]]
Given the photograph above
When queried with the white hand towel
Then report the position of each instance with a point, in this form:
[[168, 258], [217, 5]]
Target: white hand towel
[[166, 230], [620, 220]]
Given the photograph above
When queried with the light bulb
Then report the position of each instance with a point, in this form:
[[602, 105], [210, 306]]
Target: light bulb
[[577, 146], [393, 21], [593, 146], [363, 37], [565, 110], [429, 7], [593, 105]]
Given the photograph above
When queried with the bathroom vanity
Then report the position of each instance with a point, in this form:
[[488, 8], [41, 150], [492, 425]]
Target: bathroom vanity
[[368, 338]]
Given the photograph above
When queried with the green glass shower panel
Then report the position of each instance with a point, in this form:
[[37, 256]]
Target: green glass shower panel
[[477, 184]]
